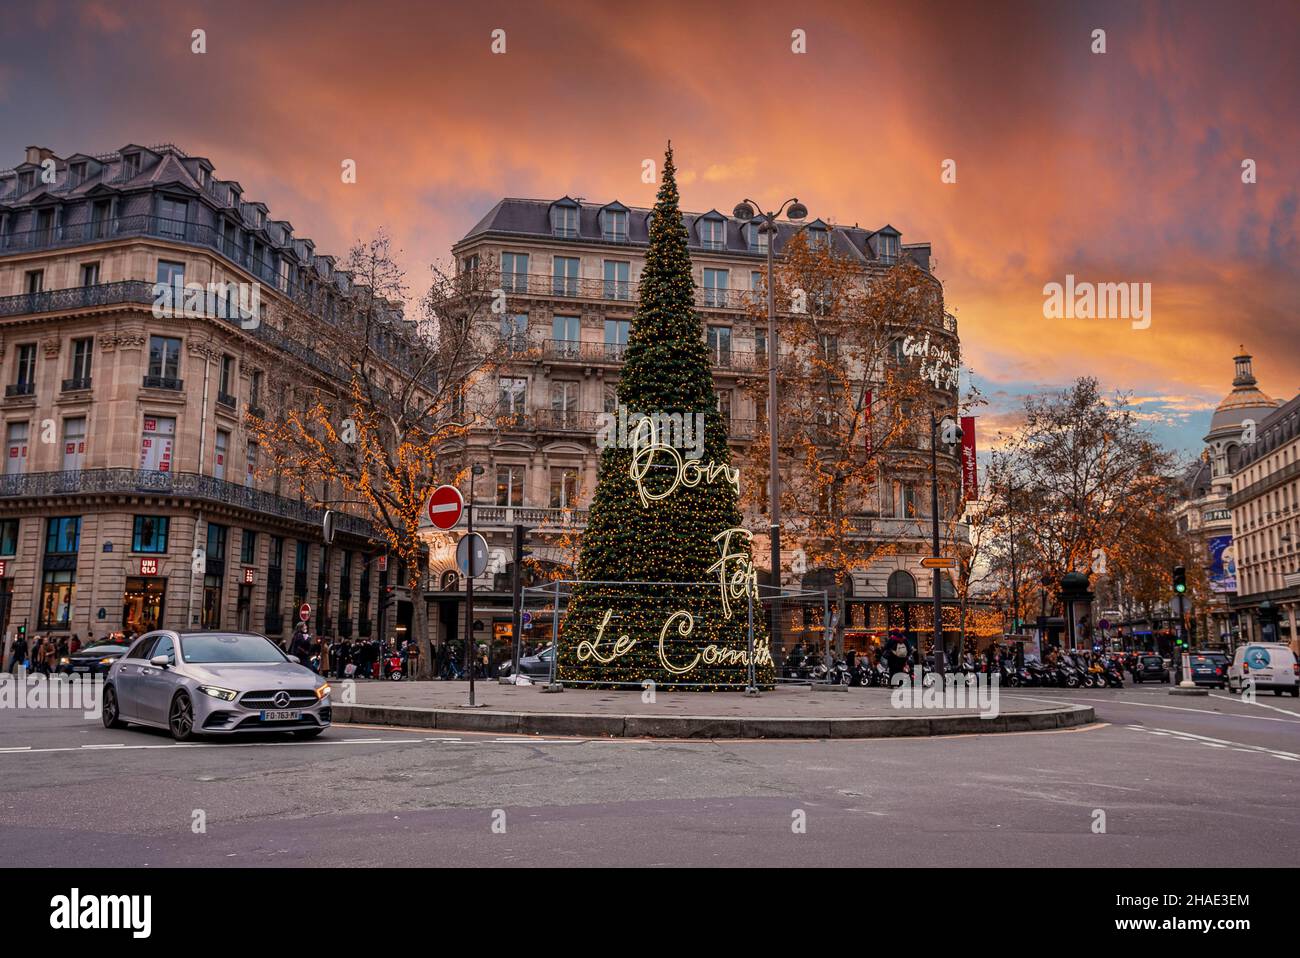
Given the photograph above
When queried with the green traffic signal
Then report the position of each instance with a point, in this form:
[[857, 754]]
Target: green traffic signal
[[1180, 579]]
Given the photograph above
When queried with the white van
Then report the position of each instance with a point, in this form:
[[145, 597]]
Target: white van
[[1271, 664]]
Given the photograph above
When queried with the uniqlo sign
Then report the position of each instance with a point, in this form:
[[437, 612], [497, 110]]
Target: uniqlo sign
[[148, 566], [248, 576]]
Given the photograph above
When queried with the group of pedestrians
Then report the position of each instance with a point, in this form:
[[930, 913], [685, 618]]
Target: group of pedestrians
[[42, 654], [348, 657]]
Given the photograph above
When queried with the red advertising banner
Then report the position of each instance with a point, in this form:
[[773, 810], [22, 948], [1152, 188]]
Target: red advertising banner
[[969, 468]]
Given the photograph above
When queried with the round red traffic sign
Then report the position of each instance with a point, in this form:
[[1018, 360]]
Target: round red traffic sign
[[304, 612], [445, 506]]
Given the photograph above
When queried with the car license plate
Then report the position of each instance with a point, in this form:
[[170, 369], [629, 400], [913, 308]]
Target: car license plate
[[281, 715], [81, 668]]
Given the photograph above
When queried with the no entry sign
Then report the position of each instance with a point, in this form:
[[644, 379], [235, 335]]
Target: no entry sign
[[445, 506], [304, 612]]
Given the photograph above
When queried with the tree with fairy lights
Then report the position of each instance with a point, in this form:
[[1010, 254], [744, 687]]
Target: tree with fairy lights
[[667, 582]]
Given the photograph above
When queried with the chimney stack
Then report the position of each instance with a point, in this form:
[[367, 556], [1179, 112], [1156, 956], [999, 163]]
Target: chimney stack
[[39, 154]]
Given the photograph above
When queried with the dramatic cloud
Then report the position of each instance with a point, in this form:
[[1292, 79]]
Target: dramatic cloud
[[1122, 167]]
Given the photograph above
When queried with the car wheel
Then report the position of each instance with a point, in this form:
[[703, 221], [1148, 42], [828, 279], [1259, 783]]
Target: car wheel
[[180, 718], [307, 732], [1295, 693], [112, 718], [1277, 692]]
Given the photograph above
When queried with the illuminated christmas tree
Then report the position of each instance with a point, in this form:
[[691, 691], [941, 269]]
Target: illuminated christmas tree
[[667, 581]]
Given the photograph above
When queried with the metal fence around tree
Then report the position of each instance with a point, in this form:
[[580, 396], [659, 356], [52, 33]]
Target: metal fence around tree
[[777, 619]]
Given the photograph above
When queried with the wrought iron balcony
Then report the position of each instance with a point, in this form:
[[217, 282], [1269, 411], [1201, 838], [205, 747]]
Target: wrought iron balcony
[[131, 482], [227, 400], [163, 382], [609, 291], [20, 389], [75, 385], [564, 420]]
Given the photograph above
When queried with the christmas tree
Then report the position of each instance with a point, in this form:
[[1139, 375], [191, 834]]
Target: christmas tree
[[667, 585]]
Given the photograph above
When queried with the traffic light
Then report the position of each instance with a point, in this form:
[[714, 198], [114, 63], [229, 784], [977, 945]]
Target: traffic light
[[1180, 579], [386, 596], [22, 630]]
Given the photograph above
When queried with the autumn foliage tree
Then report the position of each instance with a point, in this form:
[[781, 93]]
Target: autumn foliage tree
[[371, 439], [854, 408]]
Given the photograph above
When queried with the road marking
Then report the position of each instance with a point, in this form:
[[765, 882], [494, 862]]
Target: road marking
[[1153, 705], [1228, 698], [1218, 742]]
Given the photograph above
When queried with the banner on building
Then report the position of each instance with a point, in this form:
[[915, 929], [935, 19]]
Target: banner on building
[[969, 468], [1223, 564]]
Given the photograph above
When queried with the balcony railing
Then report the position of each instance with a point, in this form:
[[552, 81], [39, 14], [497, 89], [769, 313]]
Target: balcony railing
[[564, 420], [540, 518], [227, 400], [163, 382], [577, 351], [136, 291], [187, 484], [74, 385], [610, 291], [20, 389]]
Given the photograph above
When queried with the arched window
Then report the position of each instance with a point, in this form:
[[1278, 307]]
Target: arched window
[[901, 585]]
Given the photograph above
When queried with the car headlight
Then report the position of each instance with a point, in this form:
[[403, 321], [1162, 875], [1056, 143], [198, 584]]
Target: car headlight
[[63, 661], [323, 691], [108, 661], [226, 695]]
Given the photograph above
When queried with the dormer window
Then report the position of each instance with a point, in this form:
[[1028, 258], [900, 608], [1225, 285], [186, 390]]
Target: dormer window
[[818, 238], [25, 181], [130, 165], [76, 174], [756, 238], [887, 247], [614, 225], [564, 219], [713, 233]]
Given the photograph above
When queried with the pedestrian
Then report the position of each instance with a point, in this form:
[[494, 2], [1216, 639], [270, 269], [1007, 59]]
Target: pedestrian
[[324, 657], [301, 644], [18, 654]]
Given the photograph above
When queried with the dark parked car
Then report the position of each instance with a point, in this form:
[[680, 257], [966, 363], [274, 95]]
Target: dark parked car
[[1210, 668], [533, 667], [96, 659], [1150, 668]]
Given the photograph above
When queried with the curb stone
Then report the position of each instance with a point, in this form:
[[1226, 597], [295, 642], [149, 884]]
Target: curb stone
[[590, 725]]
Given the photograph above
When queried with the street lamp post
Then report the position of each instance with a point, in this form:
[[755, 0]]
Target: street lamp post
[[749, 211], [471, 652], [934, 533]]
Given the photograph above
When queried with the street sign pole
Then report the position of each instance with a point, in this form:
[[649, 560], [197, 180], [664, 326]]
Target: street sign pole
[[516, 587], [471, 653]]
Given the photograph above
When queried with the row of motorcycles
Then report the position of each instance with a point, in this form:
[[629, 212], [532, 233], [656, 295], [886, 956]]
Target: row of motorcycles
[[1063, 673]]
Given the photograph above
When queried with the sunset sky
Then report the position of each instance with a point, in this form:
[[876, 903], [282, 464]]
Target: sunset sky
[[1117, 167]]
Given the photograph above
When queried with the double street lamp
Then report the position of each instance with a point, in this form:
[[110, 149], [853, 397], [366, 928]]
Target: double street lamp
[[749, 211]]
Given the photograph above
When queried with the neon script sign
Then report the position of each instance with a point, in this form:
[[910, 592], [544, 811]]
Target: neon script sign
[[736, 575]]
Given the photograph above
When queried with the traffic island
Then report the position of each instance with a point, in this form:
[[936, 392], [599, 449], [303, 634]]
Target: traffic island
[[783, 713]]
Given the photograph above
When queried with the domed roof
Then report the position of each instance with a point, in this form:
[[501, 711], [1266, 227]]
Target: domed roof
[[1246, 401]]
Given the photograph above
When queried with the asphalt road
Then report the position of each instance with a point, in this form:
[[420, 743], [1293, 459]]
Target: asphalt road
[[1181, 781]]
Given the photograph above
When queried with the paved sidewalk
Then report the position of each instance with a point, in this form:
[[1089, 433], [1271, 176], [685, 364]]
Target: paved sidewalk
[[785, 712]]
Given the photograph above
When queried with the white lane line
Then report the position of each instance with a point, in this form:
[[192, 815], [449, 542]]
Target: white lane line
[[1153, 705], [1261, 705], [1218, 742]]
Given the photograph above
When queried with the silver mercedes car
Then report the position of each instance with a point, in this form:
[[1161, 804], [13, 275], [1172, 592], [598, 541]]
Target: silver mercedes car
[[214, 683]]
